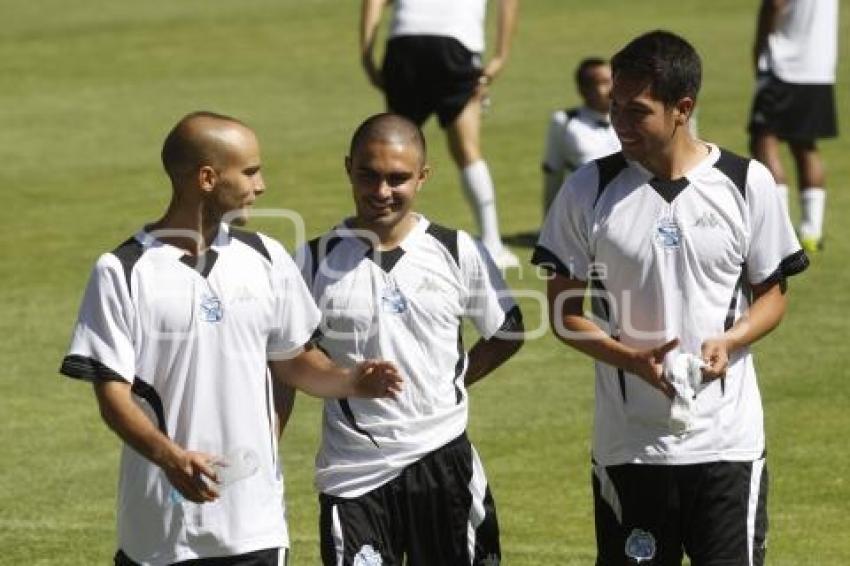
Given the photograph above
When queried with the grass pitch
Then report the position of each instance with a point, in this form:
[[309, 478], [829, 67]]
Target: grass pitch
[[89, 91]]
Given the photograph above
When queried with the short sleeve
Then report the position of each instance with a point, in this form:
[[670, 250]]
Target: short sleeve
[[564, 243], [297, 315], [102, 342], [773, 250], [489, 303], [554, 159]]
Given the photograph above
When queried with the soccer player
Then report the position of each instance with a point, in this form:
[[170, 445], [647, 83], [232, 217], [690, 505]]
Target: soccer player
[[581, 134], [686, 249], [795, 55], [176, 330], [399, 478], [433, 65]]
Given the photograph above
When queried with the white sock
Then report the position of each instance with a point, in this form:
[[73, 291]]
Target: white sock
[[478, 188], [813, 203], [783, 195]]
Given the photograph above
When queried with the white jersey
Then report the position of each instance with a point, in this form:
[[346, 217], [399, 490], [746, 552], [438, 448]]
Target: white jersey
[[803, 47], [194, 337], [405, 305], [575, 137], [460, 19], [668, 260]]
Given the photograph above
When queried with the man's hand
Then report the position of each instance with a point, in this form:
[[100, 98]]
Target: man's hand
[[373, 73], [186, 471], [715, 354], [647, 364], [376, 379]]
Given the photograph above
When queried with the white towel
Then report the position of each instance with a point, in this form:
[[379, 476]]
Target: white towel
[[685, 373]]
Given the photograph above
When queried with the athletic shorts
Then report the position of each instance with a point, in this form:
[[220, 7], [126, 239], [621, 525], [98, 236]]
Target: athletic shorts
[[439, 511], [793, 112], [424, 74], [715, 512], [267, 557]]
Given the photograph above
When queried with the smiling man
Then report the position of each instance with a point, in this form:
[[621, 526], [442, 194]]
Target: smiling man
[[178, 329], [686, 248], [399, 479]]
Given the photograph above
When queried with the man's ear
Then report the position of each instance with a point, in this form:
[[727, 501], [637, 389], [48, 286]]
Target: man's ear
[[207, 178], [684, 109], [348, 165], [424, 175]]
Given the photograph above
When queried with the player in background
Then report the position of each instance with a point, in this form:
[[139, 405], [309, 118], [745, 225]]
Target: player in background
[[399, 479], [795, 55], [433, 65], [684, 249], [581, 134], [181, 331]]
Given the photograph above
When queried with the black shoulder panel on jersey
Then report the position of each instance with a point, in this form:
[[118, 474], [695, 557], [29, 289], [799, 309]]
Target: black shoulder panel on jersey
[[571, 113], [252, 240], [735, 167], [447, 237], [128, 253], [608, 167], [316, 257]]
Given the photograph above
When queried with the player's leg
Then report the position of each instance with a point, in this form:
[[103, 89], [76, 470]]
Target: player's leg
[[811, 178], [727, 521], [636, 509], [363, 530], [451, 515], [772, 105], [764, 146]]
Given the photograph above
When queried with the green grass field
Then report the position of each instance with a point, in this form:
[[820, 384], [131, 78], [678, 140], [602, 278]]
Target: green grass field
[[88, 91]]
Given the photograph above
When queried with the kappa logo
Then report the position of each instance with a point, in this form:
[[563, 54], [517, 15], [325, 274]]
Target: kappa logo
[[707, 220], [367, 556], [428, 285]]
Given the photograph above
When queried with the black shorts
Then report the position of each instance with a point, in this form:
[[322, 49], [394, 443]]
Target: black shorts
[[716, 512], [439, 511], [424, 74], [267, 557], [793, 112]]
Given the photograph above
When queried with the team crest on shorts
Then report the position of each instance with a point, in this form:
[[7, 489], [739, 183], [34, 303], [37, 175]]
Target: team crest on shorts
[[640, 546], [367, 556], [667, 233], [211, 309], [392, 300]]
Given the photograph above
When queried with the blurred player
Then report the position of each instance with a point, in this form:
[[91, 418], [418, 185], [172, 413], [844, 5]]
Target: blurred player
[[433, 65], [399, 478], [795, 56], [686, 249], [581, 134], [177, 327]]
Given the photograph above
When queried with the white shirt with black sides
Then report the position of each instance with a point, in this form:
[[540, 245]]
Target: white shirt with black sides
[[460, 19], [668, 260], [803, 49], [406, 305], [193, 336], [575, 137]]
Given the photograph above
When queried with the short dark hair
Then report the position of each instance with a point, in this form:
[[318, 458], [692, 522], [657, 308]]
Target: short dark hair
[[184, 150], [670, 64], [388, 126], [582, 74]]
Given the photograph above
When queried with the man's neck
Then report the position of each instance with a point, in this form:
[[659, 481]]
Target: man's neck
[[189, 229], [682, 154]]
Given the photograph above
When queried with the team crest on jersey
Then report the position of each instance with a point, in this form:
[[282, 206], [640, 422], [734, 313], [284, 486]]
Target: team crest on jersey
[[392, 300], [367, 556], [211, 309], [667, 233], [640, 546]]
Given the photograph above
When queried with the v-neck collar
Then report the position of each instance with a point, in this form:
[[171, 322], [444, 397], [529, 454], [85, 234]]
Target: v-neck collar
[[670, 189], [202, 263], [385, 259]]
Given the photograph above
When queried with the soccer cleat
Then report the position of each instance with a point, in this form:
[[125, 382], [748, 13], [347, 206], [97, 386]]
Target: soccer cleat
[[505, 259], [811, 244]]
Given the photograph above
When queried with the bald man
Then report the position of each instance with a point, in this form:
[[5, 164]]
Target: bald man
[[182, 331], [399, 480]]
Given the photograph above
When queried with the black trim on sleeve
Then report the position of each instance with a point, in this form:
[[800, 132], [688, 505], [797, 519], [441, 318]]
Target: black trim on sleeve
[[791, 265], [252, 240], [148, 393], [206, 261], [447, 237], [608, 168], [735, 168], [89, 369], [550, 262], [128, 253], [349, 415], [512, 322]]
